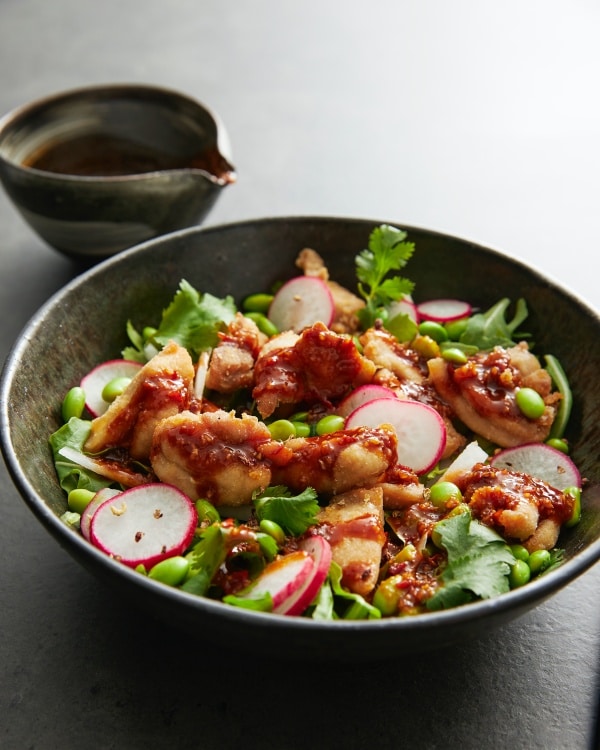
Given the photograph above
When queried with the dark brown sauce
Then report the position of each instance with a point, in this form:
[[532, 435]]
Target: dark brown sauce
[[98, 155]]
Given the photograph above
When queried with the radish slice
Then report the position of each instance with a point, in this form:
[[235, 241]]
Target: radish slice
[[201, 372], [362, 395], [144, 525], [443, 310], [93, 383], [471, 454], [420, 429], [541, 461], [86, 517], [404, 306], [320, 551], [300, 303], [283, 578]]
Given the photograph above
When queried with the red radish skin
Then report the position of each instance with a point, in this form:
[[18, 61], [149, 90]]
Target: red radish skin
[[320, 551], [86, 517], [144, 525], [362, 395], [282, 578], [300, 303], [93, 383], [541, 461], [420, 429], [443, 310]]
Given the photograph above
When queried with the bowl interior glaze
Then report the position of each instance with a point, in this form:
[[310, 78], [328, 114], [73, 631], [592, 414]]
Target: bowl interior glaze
[[85, 323]]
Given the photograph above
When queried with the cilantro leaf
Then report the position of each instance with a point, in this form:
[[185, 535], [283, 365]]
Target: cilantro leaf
[[204, 558], [479, 562], [293, 513], [387, 252], [489, 329], [192, 319]]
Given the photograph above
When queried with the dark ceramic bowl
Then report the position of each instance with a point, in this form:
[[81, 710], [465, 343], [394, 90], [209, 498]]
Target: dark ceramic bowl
[[83, 325], [99, 169]]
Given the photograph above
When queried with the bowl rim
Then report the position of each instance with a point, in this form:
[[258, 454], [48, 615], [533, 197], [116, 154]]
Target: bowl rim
[[518, 599]]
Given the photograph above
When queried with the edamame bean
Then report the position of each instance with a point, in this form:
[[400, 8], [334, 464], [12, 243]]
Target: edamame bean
[[539, 561], [560, 444], [263, 323], [435, 331], [455, 355], [575, 493], [268, 545], [456, 328], [149, 333], [272, 529], [259, 303], [443, 492], [207, 511], [519, 552], [387, 596], [330, 423], [79, 499], [519, 575], [282, 429], [530, 403], [73, 404], [171, 571], [302, 429], [114, 388]]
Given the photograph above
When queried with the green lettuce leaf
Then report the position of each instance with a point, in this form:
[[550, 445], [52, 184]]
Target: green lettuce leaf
[[293, 513], [71, 476], [489, 329]]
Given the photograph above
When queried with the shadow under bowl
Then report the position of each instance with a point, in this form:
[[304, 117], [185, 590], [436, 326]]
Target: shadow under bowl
[[99, 169], [82, 326]]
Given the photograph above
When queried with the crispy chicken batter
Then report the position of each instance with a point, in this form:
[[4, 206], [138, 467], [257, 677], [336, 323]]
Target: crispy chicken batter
[[161, 388], [518, 505], [482, 394], [232, 361], [353, 525], [337, 462], [319, 366], [214, 455]]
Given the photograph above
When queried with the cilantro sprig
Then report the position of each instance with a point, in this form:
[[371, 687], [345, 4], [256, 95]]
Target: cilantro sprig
[[192, 319], [387, 252], [479, 562], [294, 513]]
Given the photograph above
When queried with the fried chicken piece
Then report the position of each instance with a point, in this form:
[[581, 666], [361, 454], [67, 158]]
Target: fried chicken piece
[[214, 455], [319, 366], [482, 394], [346, 304], [161, 388], [334, 463], [519, 506], [353, 525], [401, 487], [232, 361], [405, 372]]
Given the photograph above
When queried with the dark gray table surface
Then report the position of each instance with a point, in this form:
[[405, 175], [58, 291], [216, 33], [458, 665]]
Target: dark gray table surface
[[476, 118]]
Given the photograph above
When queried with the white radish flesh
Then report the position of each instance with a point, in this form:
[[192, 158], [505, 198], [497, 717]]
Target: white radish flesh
[[420, 429], [93, 383], [282, 578], [443, 310], [300, 303], [362, 395], [541, 461], [86, 517], [320, 551], [404, 306], [144, 525], [472, 454]]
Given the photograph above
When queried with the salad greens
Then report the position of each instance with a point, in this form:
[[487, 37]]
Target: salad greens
[[192, 319], [387, 251]]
